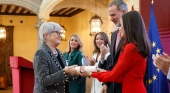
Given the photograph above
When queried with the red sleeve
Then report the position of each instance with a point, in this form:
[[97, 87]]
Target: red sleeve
[[125, 62]]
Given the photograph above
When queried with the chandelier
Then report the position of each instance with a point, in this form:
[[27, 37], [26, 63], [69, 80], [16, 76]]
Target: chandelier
[[63, 31], [95, 23]]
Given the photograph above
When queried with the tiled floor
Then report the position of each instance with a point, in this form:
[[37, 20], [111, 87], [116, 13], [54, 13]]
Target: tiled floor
[[9, 90]]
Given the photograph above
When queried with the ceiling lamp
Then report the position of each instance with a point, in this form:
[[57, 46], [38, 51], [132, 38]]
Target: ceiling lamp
[[63, 31], [95, 23], [2, 31]]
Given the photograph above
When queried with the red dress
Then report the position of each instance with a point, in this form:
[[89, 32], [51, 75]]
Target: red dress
[[129, 70]]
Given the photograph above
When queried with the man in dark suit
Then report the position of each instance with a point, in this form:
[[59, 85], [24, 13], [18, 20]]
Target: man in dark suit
[[109, 56]]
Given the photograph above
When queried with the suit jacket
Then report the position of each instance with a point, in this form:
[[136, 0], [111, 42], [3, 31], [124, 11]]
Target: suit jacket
[[49, 74], [111, 62], [75, 59], [129, 70]]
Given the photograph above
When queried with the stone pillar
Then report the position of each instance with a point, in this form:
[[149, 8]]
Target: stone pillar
[[37, 26]]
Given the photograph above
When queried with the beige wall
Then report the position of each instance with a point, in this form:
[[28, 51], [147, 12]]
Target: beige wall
[[24, 35], [81, 26], [78, 24]]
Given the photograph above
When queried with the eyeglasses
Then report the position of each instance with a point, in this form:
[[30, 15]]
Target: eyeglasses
[[58, 33]]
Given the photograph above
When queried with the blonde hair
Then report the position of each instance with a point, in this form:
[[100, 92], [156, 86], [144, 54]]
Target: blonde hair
[[79, 42]]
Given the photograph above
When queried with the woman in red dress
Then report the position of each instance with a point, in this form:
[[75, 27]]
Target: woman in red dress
[[131, 65]]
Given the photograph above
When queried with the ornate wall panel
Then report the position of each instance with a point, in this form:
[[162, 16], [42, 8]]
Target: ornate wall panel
[[6, 50]]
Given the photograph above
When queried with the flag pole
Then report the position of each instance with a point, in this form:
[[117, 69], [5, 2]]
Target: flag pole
[[152, 2], [132, 6]]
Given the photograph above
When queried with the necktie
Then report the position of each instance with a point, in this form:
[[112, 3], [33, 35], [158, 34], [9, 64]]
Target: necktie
[[117, 39]]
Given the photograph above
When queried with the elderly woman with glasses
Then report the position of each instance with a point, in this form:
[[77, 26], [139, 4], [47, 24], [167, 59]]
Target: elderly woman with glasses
[[51, 76]]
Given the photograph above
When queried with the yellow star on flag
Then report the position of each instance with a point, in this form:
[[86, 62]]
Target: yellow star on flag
[[153, 44], [149, 81], [154, 77], [158, 50]]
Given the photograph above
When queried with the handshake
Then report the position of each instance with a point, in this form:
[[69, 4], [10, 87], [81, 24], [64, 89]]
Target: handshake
[[87, 68], [84, 71]]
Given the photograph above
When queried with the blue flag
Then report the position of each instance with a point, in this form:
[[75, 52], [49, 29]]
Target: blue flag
[[156, 81]]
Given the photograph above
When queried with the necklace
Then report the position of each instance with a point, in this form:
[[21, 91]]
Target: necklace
[[56, 54]]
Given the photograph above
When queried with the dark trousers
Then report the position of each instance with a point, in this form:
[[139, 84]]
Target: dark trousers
[[115, 88]]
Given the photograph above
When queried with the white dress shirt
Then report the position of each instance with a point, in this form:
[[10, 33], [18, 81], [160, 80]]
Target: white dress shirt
[[168, 76]]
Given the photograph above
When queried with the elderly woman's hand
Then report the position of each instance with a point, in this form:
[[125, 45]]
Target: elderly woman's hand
[[86, 73], [162, 62], [72, 71]]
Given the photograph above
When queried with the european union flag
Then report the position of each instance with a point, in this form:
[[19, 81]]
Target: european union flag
[[156, 81]]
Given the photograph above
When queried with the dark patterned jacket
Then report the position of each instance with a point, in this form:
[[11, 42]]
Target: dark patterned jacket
[[49, 74]]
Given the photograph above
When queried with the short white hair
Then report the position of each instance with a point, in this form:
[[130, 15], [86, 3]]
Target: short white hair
[[48, 27]]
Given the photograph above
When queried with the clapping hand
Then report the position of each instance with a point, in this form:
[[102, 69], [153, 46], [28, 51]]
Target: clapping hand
[[162, 62], [104, 50], [91, 61]]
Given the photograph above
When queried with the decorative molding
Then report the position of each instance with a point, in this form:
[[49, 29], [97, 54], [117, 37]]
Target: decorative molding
[[32, 5], [39, 22], [7, 48], [164, 33]]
